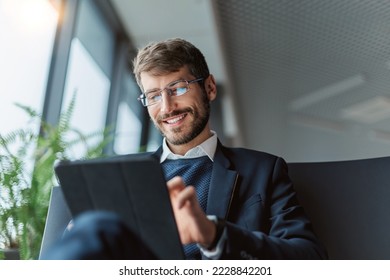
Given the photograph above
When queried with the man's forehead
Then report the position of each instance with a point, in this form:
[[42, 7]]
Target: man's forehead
[[153, 79]]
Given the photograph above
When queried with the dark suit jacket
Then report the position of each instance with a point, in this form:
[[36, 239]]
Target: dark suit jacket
[[253, 192]]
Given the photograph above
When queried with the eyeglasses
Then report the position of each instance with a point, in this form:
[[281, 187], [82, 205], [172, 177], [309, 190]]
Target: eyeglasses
[[175, 88]]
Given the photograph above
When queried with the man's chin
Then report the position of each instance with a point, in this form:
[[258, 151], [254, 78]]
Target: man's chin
[[180, 135], [177, 141]]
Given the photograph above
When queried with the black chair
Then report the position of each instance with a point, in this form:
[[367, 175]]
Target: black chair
[[348, 203]]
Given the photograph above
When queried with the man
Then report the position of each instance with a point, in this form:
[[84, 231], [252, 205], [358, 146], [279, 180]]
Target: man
[[229, 203]]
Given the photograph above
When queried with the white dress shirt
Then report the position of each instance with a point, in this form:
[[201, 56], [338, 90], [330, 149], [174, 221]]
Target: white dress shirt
[[207, 148]]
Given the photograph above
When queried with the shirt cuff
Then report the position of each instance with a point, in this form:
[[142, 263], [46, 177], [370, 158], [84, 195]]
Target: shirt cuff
[[215, 253]]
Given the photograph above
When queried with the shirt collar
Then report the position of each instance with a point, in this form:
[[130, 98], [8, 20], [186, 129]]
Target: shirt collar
[[207, 148]]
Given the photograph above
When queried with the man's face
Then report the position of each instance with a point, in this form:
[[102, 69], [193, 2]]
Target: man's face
[[181, 119]]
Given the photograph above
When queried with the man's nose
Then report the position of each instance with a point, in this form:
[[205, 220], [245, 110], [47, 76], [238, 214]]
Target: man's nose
[[167, 103]]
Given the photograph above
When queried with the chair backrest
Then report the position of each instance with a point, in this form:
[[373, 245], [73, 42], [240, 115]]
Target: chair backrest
[[348, 203], [58, 217]]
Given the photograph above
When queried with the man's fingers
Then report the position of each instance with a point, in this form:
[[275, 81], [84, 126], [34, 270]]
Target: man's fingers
[[180, 193], [187, 194], [176, 183]]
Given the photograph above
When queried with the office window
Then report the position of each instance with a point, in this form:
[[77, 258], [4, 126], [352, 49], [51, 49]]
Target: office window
[[127, 136], [89, 71], [128, 129], [91, 62], [90, 86], [27, 31]]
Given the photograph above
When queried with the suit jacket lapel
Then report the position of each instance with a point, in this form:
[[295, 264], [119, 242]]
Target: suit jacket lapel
[[157, 154], [222, 186]]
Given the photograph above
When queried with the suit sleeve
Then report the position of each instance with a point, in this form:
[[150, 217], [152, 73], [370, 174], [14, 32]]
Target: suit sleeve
[[285, 233]]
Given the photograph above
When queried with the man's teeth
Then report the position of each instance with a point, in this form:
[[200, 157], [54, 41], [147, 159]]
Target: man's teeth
[[175, 120]]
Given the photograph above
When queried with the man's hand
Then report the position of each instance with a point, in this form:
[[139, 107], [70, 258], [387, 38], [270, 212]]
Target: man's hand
[[192, 222]]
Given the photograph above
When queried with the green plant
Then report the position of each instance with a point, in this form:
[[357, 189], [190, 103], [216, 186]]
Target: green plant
[[27, 159]]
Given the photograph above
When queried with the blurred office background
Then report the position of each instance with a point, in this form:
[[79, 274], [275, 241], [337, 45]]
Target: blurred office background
[[308, 80]]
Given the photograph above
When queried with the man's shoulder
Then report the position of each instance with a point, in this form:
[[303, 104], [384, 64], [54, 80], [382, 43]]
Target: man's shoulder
[[240, 153], [249, 161]]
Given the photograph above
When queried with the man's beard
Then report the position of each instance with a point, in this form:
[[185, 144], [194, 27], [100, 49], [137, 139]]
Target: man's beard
[[200, 122]]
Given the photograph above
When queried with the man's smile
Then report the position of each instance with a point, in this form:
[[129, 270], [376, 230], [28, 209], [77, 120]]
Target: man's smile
[[176, 120]]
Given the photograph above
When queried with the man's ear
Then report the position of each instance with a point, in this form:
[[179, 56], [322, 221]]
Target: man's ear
[[211, 87]]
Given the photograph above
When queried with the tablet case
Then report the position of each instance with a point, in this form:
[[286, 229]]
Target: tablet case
[[134, 187]]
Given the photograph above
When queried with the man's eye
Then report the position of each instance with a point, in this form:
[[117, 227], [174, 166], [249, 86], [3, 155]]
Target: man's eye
[[181, 90], [177, 90], [153, 96]]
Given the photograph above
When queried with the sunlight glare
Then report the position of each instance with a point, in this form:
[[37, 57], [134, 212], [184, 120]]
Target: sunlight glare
[[30, 15]]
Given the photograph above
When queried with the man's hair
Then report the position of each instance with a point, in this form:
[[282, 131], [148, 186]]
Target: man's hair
[[159, 58]]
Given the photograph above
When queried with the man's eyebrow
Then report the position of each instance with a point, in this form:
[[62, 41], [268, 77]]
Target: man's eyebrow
[[152, 90], [177, 80], [158, 89]]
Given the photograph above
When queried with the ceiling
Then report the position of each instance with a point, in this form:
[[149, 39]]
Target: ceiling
[[309, 62]]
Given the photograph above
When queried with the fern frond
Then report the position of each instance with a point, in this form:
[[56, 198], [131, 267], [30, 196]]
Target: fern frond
[[25, 193]]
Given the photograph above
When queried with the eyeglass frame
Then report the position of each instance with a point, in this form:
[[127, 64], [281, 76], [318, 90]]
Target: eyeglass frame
[[143, 97]]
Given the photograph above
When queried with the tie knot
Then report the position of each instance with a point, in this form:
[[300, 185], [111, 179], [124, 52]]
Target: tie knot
[[190, 169]]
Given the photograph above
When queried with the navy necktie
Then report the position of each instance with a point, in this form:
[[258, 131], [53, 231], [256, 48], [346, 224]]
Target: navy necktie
[[195, 172]]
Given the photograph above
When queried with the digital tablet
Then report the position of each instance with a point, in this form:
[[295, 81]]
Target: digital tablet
[[134, 187]]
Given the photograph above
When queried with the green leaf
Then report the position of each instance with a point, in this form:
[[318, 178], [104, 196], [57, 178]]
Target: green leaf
[[25, 190]]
